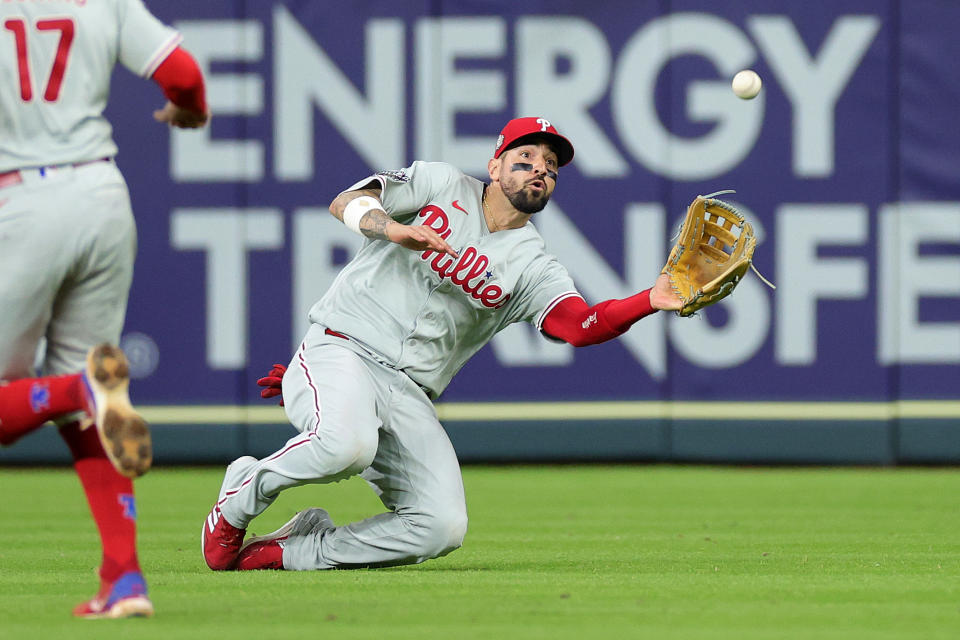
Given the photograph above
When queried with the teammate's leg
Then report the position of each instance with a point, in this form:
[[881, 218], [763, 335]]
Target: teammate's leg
[[35, 258], [417, 476], [89, 310], [28, 403], [110, 496], [330, 397]]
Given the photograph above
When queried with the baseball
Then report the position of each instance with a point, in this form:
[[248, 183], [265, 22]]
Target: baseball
[[746, 84]]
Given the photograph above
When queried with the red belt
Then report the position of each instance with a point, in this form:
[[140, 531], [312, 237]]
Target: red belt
[[15, 177], [331, 332], [10, 178]]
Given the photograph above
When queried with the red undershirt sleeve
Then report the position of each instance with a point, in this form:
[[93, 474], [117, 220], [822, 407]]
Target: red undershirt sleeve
[[574, 322], [182, 81]]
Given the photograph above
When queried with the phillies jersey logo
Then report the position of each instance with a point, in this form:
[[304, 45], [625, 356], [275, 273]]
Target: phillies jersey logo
[[471, 271]]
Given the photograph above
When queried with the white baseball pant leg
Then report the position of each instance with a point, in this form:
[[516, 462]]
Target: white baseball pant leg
[[67, 247], [356, 415]]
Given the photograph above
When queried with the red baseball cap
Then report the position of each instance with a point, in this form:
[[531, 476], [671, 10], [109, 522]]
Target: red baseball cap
[[534, 127]]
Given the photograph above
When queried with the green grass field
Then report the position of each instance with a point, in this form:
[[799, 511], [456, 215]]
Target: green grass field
[[552, 552]]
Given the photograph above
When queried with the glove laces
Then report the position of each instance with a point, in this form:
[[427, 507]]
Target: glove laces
[[752, 267]]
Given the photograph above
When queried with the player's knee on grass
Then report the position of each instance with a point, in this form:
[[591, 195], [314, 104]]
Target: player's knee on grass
[[439, 534]]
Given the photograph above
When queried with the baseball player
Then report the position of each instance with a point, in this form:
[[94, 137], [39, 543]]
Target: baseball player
[[67, 245], [448, 262]]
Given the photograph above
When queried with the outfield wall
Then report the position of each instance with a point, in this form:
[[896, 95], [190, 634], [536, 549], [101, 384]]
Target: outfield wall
[[740, 433], [847, 164]]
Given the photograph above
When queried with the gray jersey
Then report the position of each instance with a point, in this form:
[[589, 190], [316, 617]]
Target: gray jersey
[[55, 64], [426, 313]]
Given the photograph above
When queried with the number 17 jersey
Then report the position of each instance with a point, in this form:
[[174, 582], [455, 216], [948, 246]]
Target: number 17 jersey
[[56, 59]]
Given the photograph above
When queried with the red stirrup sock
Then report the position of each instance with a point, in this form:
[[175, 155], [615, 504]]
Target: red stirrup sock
[[111, 500], [28, 403]]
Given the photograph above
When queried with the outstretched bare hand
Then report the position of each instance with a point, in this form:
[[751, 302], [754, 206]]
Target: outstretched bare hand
[[418, 238], [181, 118], [663, 297]]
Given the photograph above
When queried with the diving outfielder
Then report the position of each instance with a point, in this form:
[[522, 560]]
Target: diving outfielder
[[67, 247], [448, 262]]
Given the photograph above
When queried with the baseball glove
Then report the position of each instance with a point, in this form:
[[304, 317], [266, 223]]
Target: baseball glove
[[713, 251]]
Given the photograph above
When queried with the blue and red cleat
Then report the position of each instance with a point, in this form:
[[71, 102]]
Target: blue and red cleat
[[126, 597]]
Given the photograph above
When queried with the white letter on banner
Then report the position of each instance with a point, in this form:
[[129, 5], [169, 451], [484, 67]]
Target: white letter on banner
[[305, 78], [443, 91], [905, 277], [744, 331], [226, 235], [813, 84], [317, 236], [644, 235], [194, 155], [566, 98], [737, 123], [803, 278]]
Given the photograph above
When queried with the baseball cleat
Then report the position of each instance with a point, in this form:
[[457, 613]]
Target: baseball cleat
[[125, 598], [125, 435], [266, 552], [260, 554], [220, 541]]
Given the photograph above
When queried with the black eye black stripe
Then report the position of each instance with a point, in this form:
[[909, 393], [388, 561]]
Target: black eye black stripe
[[523, 166]]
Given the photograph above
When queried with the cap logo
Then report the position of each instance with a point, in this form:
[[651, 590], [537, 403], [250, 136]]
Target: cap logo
[[544, 124], [499, 141]]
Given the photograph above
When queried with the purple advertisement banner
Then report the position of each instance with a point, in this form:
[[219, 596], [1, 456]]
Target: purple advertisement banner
[[846, 163]]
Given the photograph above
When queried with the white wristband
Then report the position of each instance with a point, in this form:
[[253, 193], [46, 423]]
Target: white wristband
[[356, 209]]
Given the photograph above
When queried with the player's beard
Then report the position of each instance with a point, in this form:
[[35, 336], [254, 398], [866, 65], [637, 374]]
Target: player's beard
[[524, 201]]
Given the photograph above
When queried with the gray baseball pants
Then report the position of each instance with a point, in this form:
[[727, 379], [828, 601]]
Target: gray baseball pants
[[67, 246], [357, 416]]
